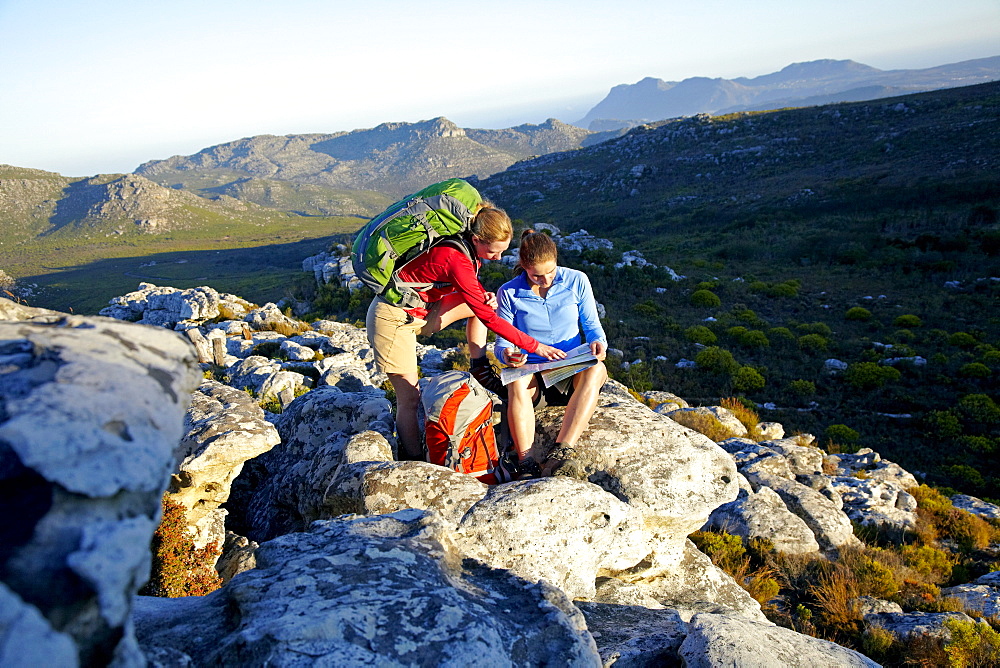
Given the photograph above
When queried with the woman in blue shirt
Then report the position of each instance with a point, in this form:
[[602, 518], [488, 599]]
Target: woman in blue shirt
[[556, 306]]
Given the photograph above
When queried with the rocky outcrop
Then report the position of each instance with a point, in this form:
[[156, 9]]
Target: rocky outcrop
[[90, 413], [224, 428], [716, 640], [390, 589]]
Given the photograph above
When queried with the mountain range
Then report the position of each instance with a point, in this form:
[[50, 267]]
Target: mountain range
[[392, 158], [798, 85]]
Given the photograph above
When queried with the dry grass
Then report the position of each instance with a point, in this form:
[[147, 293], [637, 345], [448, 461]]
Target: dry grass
[[703, 424], [746, 415]]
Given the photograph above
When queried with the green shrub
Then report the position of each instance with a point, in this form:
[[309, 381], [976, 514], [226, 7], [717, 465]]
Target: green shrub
[[802, 388], [974, 370], [700, 334], [979, 408], [841, 433], [820, 328], [858, 313], [781, 334], [752, 338], [748, 379], [717, 360], [705, 299], [178, 569], [972, 644], [992, 358], [933, 564], [907, 321], [943, 424], [870, 376], [813, 342], [962, 340]]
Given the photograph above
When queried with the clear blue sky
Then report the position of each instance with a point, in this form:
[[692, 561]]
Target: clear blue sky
[[100, 86]]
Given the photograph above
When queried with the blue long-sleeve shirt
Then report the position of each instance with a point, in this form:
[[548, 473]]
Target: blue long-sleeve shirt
[[567, 311]]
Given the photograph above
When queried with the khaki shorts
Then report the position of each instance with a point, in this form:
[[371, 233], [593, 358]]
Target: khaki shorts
[[392, 333]]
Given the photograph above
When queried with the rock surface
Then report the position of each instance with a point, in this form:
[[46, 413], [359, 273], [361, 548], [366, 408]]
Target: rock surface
[[716, 640], [387, 590], [90, 412]]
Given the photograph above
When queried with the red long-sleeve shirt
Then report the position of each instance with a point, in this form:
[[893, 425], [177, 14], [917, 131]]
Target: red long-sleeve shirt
[[446, 264]]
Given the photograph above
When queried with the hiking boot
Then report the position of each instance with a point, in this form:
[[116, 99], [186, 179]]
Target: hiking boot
[[562, 461], [528, 468], [488, 377], [518, 470]]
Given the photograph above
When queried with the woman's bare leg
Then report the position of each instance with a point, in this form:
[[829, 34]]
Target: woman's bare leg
[[407, 425], [586, 389], [521, 414]]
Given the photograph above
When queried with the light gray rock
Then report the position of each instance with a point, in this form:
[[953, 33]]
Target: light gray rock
[[90, 411], [663, 402], [770, 431], [673, 475], [824, 485], [376, 487], [28, 639], [905, 624], [763, 461], [975, 506], [386, 590], [270, 318], [350, 373], [696, 585], [266, 379], [874, 467], [224, 428], [802, 460], [633, 636], [983, 594], [876, 503], [764, 515], [869, 605], [558, 529], [166, 306], [290, 482], [297, 352], [720, 640], [830, 526]]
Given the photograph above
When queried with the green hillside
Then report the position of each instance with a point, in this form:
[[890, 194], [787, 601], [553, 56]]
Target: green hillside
[[859, 232]]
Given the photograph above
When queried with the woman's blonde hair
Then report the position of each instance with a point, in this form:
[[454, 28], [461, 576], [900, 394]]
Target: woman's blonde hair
[[492, 224], [536, 247]]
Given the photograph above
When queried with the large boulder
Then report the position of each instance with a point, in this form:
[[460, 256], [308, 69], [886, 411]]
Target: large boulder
[[723, 640], [831, 527], [558, 529], [224, 428], [674, 476], [289, 484], [90, 412], [385, 590], [764, 515]]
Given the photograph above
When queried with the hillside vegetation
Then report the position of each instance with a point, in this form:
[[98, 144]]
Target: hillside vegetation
[[866, 233]]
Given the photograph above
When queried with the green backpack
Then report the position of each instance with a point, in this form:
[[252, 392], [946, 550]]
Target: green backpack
[[405, 230]]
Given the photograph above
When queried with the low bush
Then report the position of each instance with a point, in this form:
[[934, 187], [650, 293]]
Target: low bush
[[705, 299], [178, 568], [700, 334], [702, 423], [858, 313], [748, 379], [907, 321]]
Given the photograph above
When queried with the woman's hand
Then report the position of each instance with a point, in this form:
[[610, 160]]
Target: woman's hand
[[599, 350], [514, 357], [491, 300], [550, 353]]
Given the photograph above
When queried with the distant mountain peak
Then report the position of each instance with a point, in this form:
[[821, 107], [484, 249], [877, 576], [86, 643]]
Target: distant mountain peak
[[799, 84]]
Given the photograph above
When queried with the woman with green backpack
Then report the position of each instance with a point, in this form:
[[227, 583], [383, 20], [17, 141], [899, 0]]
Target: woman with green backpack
[[434, 287]]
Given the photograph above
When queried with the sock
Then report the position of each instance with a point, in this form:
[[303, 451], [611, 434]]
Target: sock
[[478, 361]]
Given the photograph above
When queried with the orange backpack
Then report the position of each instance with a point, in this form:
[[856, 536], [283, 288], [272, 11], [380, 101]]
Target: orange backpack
[[458, 426]]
